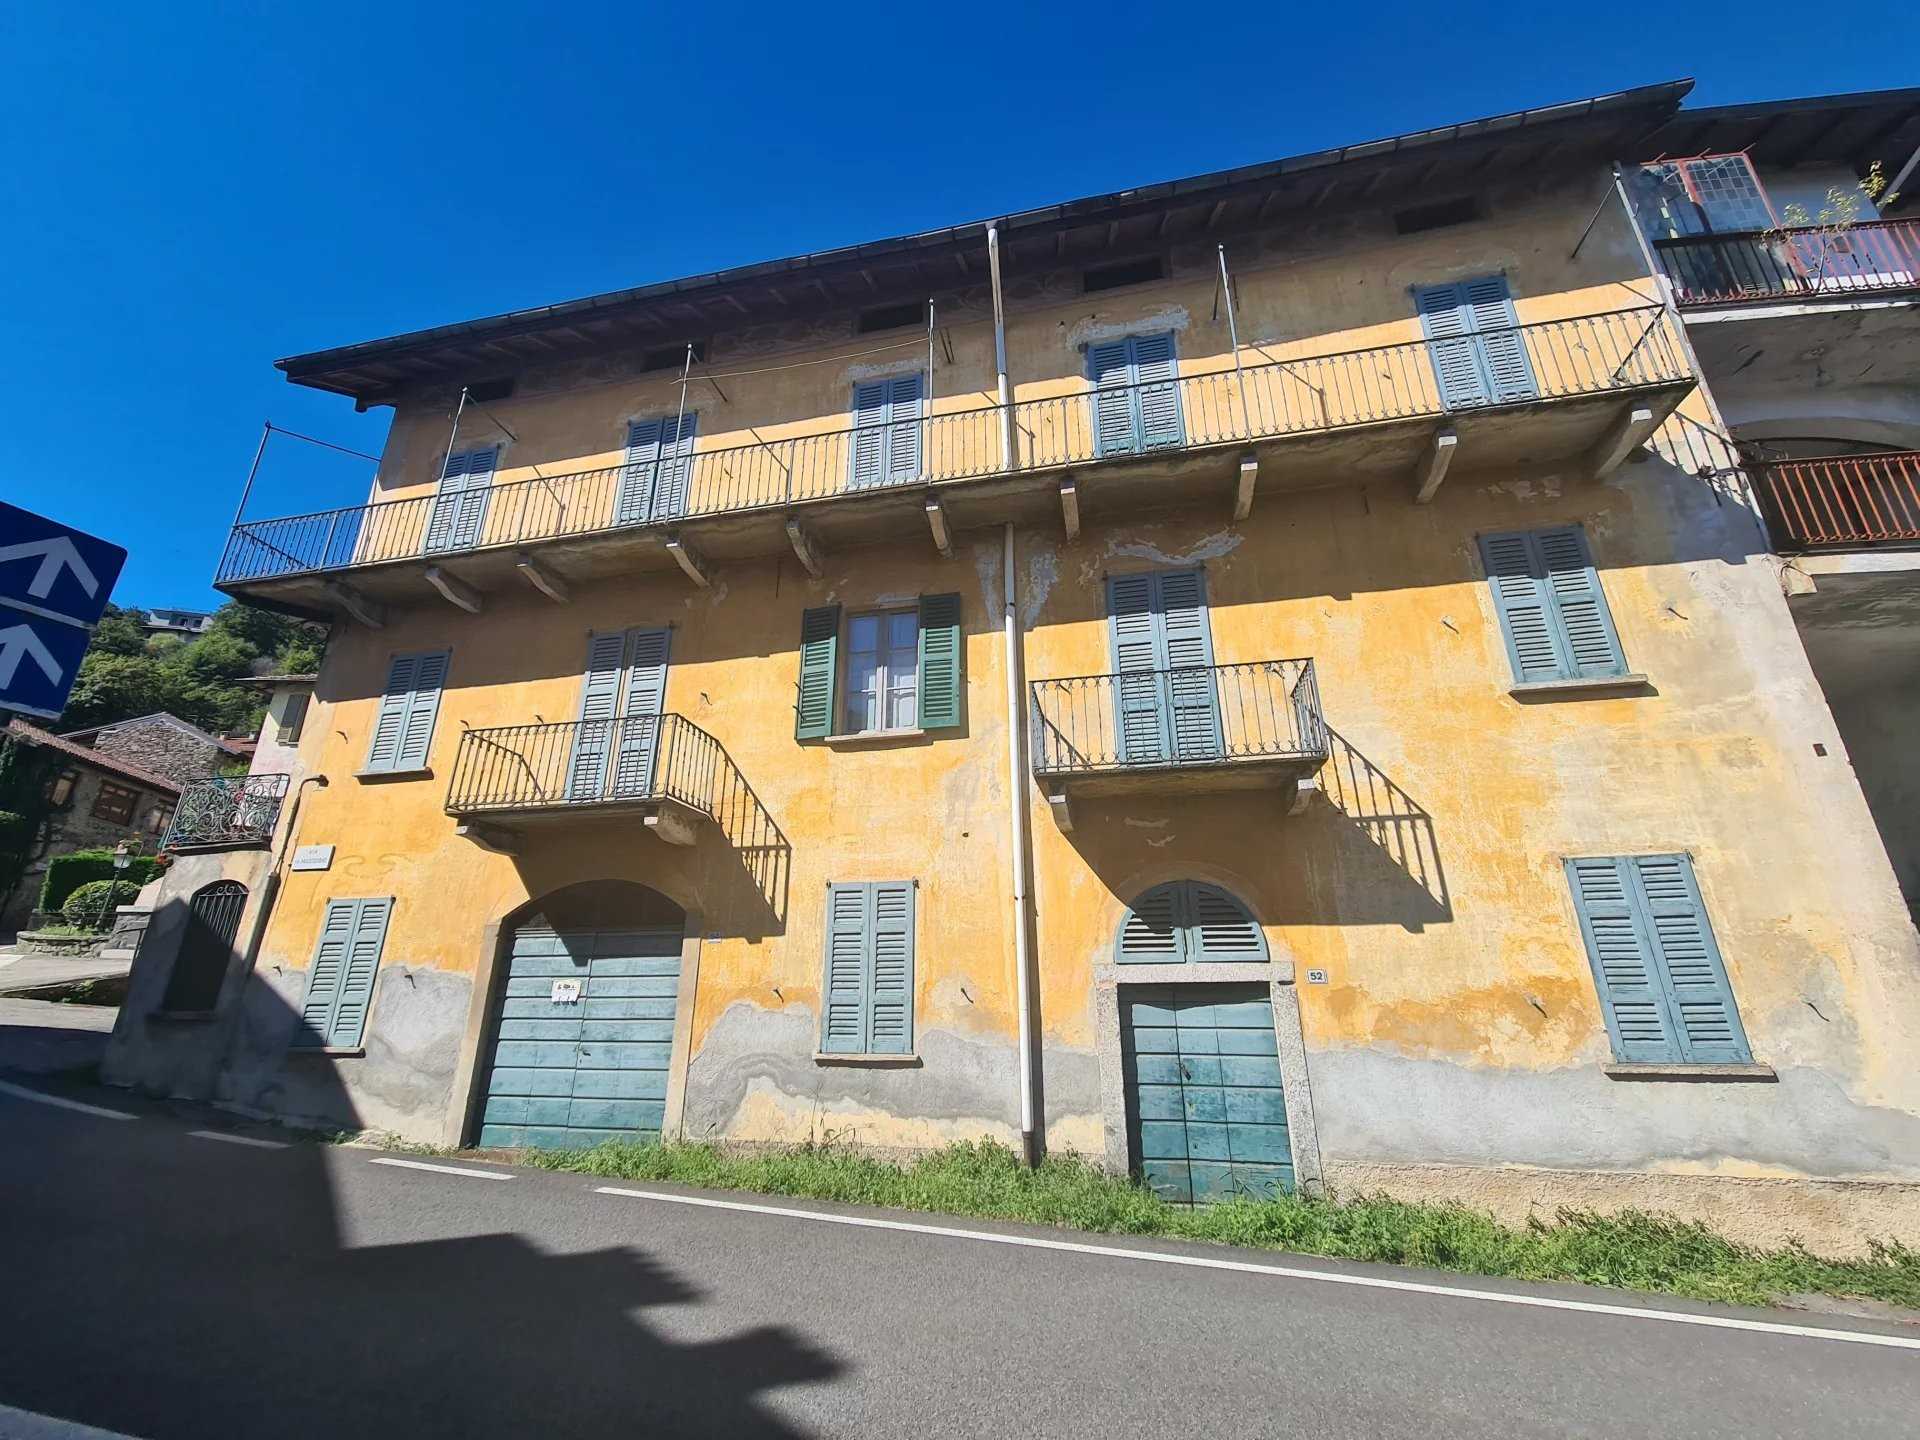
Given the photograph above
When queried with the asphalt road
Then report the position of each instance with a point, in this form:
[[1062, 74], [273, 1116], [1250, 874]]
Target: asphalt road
[[157, 1283]]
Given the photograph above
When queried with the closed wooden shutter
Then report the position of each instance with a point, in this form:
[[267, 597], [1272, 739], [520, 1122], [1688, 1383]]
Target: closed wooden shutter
[[1159, 395], [670, 490], [1180, 609], [1136, 397], [1166, 699], [346, 960], [869, 443], [1185, 922], [868, 983], [1456, 359], [1503, 347], [599, 704], [639, 725], [942, 667], [1479, 357], [1550, 605], [409, 704], [460, 501], [1109, 367], [658, 466], [904, 401], [1662, 984], [819, 671]]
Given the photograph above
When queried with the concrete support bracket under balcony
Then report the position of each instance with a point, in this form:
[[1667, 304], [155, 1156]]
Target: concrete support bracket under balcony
[[454, 590], [1433, 465], [804, 548], [1626, 434], [542, 578]]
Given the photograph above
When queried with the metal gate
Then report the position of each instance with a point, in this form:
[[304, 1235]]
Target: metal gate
[[199, 970]]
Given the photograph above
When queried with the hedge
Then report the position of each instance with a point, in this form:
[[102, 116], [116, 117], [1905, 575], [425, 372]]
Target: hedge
[[67, 873], [91, 906]]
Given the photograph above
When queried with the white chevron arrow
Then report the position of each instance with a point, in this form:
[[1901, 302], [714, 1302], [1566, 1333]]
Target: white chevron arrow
[[19, 640], [53, 554]]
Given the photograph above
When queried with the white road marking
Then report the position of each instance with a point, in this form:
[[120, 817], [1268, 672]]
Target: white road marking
[[443, 1169], [238, 1139], [1203, 1262], [60, 1101]]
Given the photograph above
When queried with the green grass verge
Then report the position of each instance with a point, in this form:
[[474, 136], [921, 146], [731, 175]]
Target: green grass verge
[[1632, 1250]]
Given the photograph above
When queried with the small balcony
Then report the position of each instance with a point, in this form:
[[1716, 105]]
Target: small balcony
[[223, 812], [1805, 262], [1178, 731], [1855, 502], [1584, 390], [662, 770]]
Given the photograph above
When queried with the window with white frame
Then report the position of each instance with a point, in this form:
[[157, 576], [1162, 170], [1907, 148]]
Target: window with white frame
[[883, 671]]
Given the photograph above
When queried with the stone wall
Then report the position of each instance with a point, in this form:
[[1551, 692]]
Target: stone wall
[[164, 748], [76, 827]]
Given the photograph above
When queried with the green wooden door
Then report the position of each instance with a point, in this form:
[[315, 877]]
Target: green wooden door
[[569, 1071], [1206, 1114]]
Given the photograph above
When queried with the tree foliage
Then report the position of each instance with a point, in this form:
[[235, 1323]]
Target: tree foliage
[[127, 674]]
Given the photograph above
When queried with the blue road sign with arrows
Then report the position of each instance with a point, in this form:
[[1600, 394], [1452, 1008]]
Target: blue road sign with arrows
[[54, 583]]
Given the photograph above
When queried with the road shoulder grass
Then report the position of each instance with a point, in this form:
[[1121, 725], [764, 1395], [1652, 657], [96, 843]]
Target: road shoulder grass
[[1629, 1250]]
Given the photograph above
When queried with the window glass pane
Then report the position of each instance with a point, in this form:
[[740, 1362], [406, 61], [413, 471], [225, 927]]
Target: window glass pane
[[863, 632], [902, 707], [903, 630]]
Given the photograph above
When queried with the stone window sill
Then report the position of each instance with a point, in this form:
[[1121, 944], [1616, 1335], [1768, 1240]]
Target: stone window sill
[[872, 737], [827, 1057], [1588, 685], [366, 777], [1643, 1071]]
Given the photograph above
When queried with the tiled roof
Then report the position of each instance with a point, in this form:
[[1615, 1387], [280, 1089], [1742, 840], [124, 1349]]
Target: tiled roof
[[34, 735]]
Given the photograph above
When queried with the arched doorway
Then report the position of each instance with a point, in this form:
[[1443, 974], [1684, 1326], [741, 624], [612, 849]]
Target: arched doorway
[[583, 1017], [200, 967], [1200, 1063]]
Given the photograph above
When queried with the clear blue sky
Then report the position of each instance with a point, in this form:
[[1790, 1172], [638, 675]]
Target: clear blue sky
[[194, 194]]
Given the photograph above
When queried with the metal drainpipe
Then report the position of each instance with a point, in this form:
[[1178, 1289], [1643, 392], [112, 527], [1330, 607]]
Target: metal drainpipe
[[1000, 349], [1017, 822]]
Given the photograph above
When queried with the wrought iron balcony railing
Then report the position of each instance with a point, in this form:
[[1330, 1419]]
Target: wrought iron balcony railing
[[1844, 501], [226, 810], [1275, 396], [1796, 263], [626, 760], [1202, 715]]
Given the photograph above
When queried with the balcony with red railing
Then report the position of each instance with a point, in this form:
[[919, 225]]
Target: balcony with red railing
[[1796, 262], [1842, 502]]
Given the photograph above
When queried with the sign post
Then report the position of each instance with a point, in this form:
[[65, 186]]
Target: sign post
[[55, 582]]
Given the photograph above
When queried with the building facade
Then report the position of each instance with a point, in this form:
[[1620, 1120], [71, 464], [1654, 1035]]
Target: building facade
[[163, 744], [1237, 679]]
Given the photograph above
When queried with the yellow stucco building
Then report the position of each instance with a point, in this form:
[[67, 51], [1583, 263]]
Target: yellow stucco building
[[1244, 679]]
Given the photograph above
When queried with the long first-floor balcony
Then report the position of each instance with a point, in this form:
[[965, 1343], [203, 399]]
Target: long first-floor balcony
[[661, 770], [1850, 502], [226, 811], [1178, 730], [1795, 262], [1584, 389]]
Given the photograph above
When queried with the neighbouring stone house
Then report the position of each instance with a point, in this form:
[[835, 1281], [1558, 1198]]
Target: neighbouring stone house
[[98, 798], [165, 745]]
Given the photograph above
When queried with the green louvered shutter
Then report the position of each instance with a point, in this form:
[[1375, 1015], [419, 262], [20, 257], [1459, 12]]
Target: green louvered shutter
[[1158, 396], [1180, 612], [599, 703], [942, 673], [890, 980], [634, 502], [639, 723], [675, 480], [819, 669], [1705, 1017], [1525, 609], [390, 725], [346, 959], [1141, 718], [1110, 368], [1151, 932], [1589, 645], [843, 1025], [423, 707], [323, 975], [1218, 926], [870, 434], [1626, 969]]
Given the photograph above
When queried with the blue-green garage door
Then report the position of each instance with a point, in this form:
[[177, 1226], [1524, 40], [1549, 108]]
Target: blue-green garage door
[[1206, 1114], [575, 1071]]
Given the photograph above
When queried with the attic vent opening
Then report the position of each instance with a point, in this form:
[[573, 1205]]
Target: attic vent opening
[[672, 357], [890, 317], [1127, 272], [1415, 218], [488, 390]]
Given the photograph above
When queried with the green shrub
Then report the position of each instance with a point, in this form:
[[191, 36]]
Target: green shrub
[[13, 831], [90, 906], [67, 873]]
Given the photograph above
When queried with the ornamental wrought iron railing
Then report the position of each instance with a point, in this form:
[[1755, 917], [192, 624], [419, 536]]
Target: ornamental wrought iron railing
[[1271, 395], [1187, 716], [226, 810], [1842, 501], [582, 763], [1793, 263]]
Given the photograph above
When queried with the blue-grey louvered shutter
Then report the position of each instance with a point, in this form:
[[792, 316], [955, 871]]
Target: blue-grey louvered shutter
[[1218, 927], [1141, 719], [639, 725], [890, 1007], [1524, 606], [1110, 368], [460, 503], [904, 400], [599, 703], [1180, 612], [323, 975], [1150, 934], [423, 707], [675, 477], [1456, 357], [1503, 347], [390, 724], [1705, 1017], [843, 1024], [1625, 966], [1590, 647], [349, 1024], [634, 501], [942, 678], [869, 443], [817, 695], [1158, 393]]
